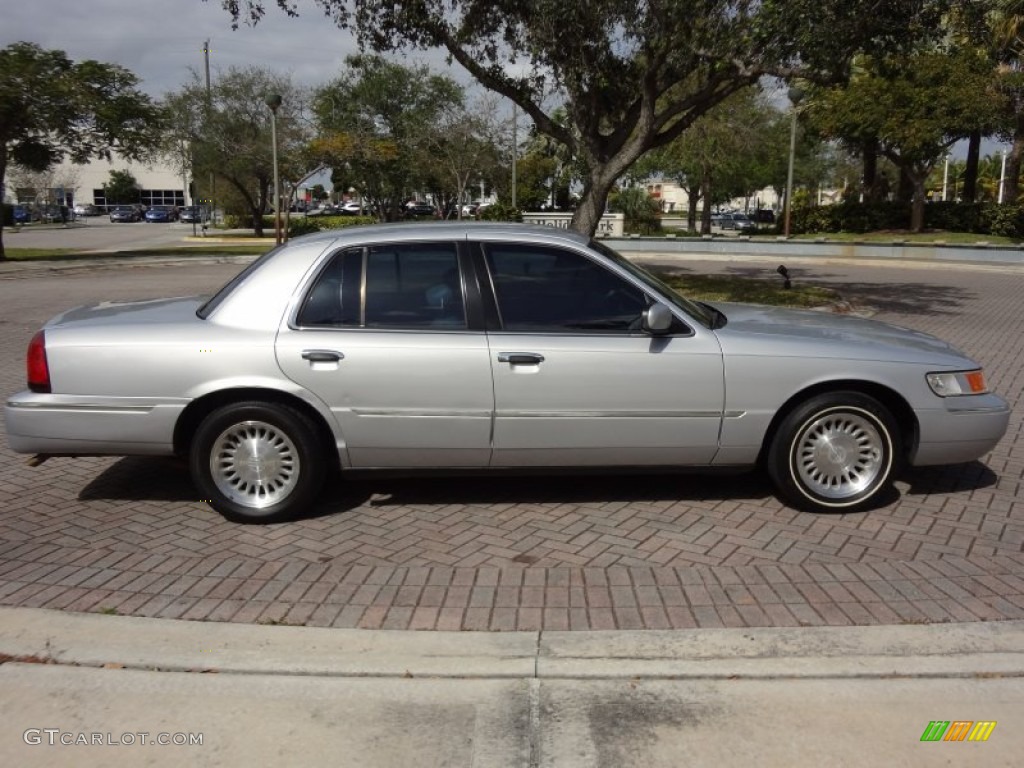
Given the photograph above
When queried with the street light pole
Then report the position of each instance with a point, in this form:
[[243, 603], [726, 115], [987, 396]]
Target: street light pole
[[795, 96], [274, 102], [1002, 178]]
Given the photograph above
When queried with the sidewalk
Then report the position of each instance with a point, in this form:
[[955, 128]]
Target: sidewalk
[[278, 695]]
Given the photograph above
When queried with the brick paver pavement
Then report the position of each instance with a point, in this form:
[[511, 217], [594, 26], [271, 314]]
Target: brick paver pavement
[[591, 552]]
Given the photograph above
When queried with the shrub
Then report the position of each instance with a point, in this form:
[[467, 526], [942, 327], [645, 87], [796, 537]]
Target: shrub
[[500, 212], [641, 210], [978, 218]]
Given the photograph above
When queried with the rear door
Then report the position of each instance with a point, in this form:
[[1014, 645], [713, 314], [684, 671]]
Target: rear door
[[383, 337]]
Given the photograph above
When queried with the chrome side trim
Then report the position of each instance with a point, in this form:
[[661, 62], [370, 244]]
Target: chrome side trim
[[418, 413], [616, 414], [81, 407]]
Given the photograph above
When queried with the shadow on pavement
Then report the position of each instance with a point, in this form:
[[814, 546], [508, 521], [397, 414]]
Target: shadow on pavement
[[949, 479], [905, 298]]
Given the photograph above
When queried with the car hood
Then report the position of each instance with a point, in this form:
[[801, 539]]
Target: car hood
[[771, 330], [130, 312]]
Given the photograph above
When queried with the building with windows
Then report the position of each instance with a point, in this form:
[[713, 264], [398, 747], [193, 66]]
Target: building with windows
[[71, 184]]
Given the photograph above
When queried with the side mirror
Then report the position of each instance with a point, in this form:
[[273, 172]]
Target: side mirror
[[657, 319]]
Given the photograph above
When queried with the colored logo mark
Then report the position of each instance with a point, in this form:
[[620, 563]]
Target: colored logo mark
[[958, 730]]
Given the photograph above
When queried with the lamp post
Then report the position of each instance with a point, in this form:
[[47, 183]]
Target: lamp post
[[1002, 178], [795, 96], [274, 102]]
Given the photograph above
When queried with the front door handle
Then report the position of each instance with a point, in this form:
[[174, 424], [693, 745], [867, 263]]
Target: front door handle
[[520, 358], [322, 355]]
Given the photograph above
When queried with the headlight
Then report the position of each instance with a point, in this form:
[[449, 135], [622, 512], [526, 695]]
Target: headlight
[[957, 383]]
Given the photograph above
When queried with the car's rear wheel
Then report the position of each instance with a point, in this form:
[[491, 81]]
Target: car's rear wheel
[[837, 452], [257, 462]]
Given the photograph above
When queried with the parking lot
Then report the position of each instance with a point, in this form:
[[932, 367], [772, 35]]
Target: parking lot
[[129, 535]]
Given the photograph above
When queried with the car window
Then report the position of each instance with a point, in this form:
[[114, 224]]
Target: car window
[[334, 297], [412, 286], [553, 290]]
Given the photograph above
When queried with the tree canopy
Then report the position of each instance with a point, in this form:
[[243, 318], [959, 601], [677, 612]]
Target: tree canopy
[[376, 121], [52, 108], [229, 133], [913, 108], [632, 76]]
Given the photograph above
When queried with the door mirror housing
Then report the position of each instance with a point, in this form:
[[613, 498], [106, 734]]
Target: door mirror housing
[[658, 319]]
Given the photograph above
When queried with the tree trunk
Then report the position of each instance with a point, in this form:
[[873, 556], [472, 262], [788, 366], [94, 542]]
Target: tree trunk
[[869, 182], [917, 180], [705, 195], [692, 197], [1011, 188], [905, 189], [592, 205], [257, 221], [970, 191]]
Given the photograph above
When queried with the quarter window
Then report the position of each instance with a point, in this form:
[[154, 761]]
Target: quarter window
[[549, 289]]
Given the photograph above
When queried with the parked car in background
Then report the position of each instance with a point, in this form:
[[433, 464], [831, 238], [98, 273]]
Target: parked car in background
[[161, 214], [124, 214], [764, 216], [737, 221], [415, 208], [460, 346], [23, 214], [193, 214], [86, 209], [352, 208]]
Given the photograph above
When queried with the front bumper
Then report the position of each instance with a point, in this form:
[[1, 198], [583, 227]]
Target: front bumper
[[965, 429]]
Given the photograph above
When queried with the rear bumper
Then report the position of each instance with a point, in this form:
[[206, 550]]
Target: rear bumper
[[964, 430], [85, 425]]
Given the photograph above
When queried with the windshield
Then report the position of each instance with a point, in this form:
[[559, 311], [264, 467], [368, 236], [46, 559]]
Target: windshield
[[698, 312]]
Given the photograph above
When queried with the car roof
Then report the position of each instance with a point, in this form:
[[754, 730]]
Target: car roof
[[445, 230]]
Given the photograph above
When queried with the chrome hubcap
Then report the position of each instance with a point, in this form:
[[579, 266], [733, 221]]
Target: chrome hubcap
[[839, 455], [254, 464]]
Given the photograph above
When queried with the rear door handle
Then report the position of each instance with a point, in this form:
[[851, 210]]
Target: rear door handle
[[520, 358], [322, 355]]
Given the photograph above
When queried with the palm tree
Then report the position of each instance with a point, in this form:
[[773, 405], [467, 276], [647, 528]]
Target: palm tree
[[1006, 25]]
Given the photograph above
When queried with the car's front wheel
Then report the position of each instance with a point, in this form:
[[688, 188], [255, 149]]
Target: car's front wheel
[[837, 452], [257, 462]]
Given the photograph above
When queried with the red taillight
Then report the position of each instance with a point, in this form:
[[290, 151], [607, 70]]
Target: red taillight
[[38, 368]]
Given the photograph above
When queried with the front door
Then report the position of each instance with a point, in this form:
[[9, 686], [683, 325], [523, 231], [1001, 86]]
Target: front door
[[577, 381]]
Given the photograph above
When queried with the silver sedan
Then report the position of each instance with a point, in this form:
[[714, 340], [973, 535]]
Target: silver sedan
[[458, 347]]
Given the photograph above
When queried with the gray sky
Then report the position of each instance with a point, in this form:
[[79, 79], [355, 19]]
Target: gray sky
[[160, 40]]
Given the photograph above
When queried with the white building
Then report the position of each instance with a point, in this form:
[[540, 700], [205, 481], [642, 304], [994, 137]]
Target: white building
[[675, 201], [70, 184]]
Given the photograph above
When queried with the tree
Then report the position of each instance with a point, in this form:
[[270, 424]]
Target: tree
[[633, 76], [229, 132], [727, 153], [52, 108], [122, 188], [461, 146], [1006, 20], [376, 121], [915, 107]]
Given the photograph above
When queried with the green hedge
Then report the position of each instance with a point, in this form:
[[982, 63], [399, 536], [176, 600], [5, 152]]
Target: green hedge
[[977, 218], [500, 212], [299, 225]]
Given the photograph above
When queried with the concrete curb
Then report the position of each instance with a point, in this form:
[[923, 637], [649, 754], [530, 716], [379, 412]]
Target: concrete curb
[[994, 649]]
